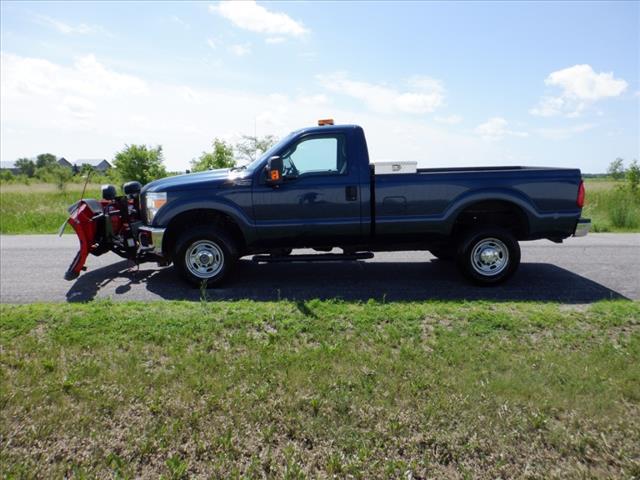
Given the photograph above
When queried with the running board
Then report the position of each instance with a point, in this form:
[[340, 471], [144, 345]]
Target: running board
[[324, 257]]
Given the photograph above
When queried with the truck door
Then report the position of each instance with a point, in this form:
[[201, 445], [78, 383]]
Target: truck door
[[318, 203]]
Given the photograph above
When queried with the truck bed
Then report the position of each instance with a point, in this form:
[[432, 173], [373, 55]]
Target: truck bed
[[426, 200]]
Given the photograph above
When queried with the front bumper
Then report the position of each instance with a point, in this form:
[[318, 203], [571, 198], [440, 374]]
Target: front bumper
[[155, 236], [582, 227]]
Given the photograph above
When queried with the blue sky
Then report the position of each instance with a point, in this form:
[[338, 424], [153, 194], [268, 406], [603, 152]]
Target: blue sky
[[447, 84]]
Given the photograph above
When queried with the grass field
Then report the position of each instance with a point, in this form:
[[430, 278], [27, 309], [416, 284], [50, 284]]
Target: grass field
[[41, 208], [320, 389], [611, 208]]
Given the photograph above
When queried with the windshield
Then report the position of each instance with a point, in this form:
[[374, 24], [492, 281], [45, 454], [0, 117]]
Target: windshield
[[269, 153]]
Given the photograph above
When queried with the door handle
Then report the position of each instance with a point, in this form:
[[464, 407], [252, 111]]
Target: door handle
[[351, 193]]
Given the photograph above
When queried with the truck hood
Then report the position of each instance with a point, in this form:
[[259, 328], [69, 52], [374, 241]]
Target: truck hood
[[208, 179]]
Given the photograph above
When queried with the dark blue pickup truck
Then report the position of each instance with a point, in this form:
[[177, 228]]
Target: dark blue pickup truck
[[317, 189]]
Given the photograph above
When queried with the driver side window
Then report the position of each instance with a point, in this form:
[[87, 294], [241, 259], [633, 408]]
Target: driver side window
[[315, 155]]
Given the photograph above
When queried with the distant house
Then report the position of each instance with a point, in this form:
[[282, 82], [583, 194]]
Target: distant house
[[10, 166], [98, 164], [63, 162]]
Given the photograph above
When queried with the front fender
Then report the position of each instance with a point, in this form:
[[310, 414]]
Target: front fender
[[181, 205]]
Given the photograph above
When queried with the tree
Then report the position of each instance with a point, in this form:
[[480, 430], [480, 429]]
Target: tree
[[250, 147], [221, 157], [45, 160], [61, 175], [616, 169], [633, 176], [54, 173], [26, 166], [6, 176], [84, 170], [141, 163]]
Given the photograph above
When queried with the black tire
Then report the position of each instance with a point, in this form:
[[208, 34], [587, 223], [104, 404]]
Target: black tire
[[202, 245], [443, 253], [500, 260]]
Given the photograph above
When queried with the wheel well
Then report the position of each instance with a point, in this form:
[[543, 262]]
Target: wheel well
[[198, 217], [498, 213]]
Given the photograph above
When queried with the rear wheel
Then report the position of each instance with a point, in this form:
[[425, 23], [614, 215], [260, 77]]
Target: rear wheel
[[205, 255], [488, 256]]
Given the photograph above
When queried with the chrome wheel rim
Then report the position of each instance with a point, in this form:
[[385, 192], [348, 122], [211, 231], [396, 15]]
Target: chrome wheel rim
[[490, 257], [204, 259]]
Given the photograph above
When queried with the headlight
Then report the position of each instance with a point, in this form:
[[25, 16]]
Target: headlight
[[154, 200]]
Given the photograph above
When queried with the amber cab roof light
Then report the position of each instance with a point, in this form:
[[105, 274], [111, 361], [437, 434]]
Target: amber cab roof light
[[326, 121]]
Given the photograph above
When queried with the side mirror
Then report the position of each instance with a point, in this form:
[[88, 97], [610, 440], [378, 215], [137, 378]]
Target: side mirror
[[274, 170]]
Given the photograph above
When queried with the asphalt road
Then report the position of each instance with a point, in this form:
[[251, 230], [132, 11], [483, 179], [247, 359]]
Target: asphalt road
[[582, 270]]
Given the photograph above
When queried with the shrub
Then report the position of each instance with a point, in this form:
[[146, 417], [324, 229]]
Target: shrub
[[6, 176], [633, 176], [53, 173], [221, 157], [623, 207], [613, 208], [141, 163], [622, 215]]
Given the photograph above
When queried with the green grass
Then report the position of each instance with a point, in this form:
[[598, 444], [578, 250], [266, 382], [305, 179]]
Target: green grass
[[319, 389], [38, 208], [612, 208]]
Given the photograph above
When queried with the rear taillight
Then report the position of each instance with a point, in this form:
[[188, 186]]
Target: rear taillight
[[580, 199]]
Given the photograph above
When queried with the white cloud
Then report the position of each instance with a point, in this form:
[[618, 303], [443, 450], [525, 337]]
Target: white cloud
[[426, 96], [580, 81], [495, 128], [177, 20], [550, 106], [424, 82], [274, 40], [212, 43], [581, 86], [307, 55], [240, 49], [78, 107], [449, 119], [563, 133], [256, 18], [86, 109], [189, 94], [317, 99], [86, 78], [68, 29], [275, 118]]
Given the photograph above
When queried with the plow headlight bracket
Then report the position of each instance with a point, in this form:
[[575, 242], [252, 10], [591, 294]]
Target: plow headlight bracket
[[153, 202]]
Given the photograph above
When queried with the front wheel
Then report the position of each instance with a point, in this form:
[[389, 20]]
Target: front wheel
[[488, 256], [204, 255]]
